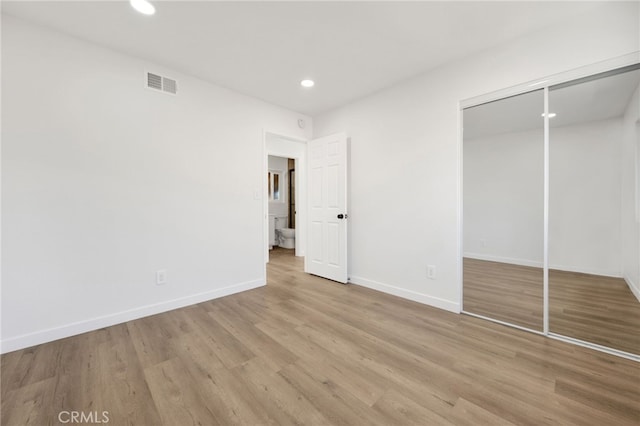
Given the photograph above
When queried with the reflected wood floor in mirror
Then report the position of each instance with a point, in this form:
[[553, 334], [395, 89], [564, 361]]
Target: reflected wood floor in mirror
[[594, 308], [503, 291], [303, 350]]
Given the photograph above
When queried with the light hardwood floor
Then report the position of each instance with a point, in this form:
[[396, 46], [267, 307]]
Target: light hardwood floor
[[592, 308], [307, 351], [503, 291]]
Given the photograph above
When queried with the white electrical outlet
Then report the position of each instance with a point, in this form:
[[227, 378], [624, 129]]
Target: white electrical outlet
[[483, 243], [161, 277], [431, 272]]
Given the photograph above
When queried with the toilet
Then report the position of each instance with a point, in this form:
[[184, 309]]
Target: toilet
[[286, 238]]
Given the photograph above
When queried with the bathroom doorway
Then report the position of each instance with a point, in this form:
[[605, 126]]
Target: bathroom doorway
[[282, 211], [284, 196]]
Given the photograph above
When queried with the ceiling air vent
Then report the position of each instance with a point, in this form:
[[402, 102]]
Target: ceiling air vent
[[164, 84]]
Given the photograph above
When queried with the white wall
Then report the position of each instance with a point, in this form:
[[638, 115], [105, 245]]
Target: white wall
[[405, 151], [585, 198], [104, 182], [631, 194], [503, 181]]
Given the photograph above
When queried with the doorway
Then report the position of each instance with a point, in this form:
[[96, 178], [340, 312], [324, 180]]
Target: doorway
[[321, 201], [284, 194], [282, 204]]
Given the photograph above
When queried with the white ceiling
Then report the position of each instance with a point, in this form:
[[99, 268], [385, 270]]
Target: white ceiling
[[264, 49], [589, 101]]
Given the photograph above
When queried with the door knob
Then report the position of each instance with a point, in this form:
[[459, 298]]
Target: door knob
[[342, 216]]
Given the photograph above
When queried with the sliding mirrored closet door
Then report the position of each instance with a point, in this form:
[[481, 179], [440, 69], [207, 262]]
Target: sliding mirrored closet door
[[592, 226], [503, 210], [593, 210]]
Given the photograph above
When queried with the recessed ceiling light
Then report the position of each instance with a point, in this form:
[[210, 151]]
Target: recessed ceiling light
[[307, 83], [551, 114], [143, 6]]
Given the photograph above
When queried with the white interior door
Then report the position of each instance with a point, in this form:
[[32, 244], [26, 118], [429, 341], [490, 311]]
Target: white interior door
[[326, 254]]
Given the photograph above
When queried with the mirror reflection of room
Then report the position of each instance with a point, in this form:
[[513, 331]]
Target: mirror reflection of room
[[593, 211], [503, 199]]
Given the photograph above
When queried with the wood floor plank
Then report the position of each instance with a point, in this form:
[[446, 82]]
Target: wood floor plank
[[592, 396], [397, 409], [31, 365], [468, 414], [124, 391], [218, 387], [354, 377], [335, 403], [171, 383], [245, 309], [597, 309], [576, 413], [394, 369], [502, 291], [33, 404], [151, 339], [260, 344], [197, 349], [229, 395], [226, 346], [280, 398]]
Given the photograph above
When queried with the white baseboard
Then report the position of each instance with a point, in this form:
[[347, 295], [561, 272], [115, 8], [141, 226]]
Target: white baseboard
[[599, 272], [536, 264], [48, 335], [407, 294], [501, 259], [635, 289]]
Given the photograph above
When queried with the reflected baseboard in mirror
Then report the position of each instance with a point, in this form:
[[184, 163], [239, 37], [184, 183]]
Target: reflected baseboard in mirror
[[593, 308], [504, 292]]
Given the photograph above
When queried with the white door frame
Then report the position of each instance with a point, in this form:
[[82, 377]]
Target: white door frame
[[299, 155]]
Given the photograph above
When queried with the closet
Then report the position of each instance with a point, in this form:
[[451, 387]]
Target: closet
[[551, 209]]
